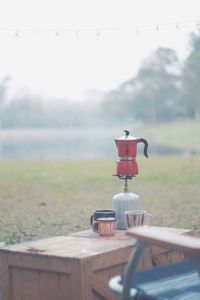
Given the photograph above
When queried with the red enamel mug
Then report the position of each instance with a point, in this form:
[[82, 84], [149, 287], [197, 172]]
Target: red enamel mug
[[104, 226]]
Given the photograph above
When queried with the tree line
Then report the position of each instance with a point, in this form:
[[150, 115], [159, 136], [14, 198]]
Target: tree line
[[163, 89]]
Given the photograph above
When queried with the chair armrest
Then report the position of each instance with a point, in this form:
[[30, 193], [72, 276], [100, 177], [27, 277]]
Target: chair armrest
[[115, 284], [154, 236]]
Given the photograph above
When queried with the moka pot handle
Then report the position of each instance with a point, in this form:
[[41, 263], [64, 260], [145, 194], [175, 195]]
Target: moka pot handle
[[141, 140]]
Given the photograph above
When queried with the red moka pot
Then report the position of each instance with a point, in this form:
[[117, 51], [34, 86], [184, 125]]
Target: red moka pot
[[127, 168], [127, 150]]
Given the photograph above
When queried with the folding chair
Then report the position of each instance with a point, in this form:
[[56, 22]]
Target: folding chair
[[177, 281]]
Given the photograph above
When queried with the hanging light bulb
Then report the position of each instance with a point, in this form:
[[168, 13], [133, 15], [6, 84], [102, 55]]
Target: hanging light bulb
[[138, 30], [16, 34], [77, 33]]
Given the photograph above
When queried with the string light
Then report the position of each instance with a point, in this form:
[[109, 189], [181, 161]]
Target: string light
[[57, 33], [97, 31], [16, 34], [138, 30], [77, 33]]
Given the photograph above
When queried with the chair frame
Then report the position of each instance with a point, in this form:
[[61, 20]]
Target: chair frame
[[147, 236]]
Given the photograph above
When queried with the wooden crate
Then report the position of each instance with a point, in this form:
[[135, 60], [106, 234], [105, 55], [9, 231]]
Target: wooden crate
[[75, 267]]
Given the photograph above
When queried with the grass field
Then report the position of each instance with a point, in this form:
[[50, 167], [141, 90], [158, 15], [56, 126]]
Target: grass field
[[183, 134], [46, 198]]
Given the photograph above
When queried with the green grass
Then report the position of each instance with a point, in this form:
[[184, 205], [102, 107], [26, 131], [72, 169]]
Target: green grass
[[39, 199], [178, 134]]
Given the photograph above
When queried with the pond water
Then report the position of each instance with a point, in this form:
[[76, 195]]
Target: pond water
[[71, 143]]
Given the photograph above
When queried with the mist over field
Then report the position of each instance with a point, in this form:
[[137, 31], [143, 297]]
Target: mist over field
[[160, 103], [179, 138]]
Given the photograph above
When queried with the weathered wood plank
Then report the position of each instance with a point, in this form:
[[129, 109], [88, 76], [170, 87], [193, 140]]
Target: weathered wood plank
[[70, 246], [4, 277], [30, 283], [64, 286], [15, 286], [36, 262], [76, 287], [48, 285], [111, 258]]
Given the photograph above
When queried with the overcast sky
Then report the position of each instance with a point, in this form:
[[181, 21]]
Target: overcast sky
[[64, 48]]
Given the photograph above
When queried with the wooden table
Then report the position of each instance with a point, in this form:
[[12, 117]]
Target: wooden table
[[74, 267]]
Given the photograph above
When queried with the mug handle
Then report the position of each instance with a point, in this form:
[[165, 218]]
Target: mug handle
[[91, 219], [95, 226], [150, 221]]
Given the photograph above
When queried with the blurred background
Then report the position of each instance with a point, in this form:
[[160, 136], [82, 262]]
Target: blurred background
[[74, 74]]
